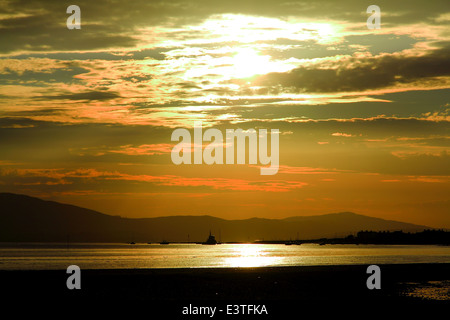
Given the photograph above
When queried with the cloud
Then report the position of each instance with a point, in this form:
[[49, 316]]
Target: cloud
[[158, 54], [341, 134], [89, 95], [39, 26], [432, 179], [55, 177], [364, 73], [130, 150], [283, 169]]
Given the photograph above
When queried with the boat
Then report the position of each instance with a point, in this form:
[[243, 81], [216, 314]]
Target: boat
[[164, 242], [211, 240], [132, 242]]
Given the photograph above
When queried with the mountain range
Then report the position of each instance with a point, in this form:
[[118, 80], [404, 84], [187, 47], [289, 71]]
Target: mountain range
[[29, 219]]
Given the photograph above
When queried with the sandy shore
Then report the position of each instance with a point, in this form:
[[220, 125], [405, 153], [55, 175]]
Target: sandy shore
[[284, 290]]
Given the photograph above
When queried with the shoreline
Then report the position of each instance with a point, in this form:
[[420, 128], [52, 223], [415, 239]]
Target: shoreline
[[284, 291], [306, 283]]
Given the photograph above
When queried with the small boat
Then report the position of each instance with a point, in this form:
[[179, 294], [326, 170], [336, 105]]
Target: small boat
[[164, 242], [211, 240], [132, 242]]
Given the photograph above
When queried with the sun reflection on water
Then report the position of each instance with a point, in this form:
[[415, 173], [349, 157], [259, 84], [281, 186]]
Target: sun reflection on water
[[250, 255]]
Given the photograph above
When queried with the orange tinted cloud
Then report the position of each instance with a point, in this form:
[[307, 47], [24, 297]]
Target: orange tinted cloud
[[216, 183], [305, 170], [61, 176]]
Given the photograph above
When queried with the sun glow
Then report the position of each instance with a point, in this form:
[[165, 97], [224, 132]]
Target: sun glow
[[239, 62], [250, 255], [247, 62]]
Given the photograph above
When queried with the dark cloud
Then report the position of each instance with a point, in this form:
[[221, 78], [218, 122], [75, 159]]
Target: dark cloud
[[405, 104], [111, 24], [40, 142], [156, 53], [358, 74], [311, 49], [46, 33], [89, 95], [381, 43], [137, 78], [7, 122], [22, 115], [27, 77]]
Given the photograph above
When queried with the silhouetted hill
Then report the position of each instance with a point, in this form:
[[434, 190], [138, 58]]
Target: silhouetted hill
[[25, 218]]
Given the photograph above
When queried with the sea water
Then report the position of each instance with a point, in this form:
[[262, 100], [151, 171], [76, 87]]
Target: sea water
[[45, 256]]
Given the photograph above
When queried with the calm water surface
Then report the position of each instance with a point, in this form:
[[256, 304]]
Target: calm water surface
[[36, 256]]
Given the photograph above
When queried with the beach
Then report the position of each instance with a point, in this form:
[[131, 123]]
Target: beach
[[283, 290]]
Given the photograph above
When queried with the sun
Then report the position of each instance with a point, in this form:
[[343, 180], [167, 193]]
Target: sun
[[247, 63]]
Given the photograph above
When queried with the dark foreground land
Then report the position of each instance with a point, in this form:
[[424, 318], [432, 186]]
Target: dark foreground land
[[287, 292]]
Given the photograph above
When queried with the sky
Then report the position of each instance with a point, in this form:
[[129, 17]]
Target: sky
[[86, 115]]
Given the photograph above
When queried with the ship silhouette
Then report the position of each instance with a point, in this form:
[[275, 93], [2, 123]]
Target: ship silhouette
[[211, 240]]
